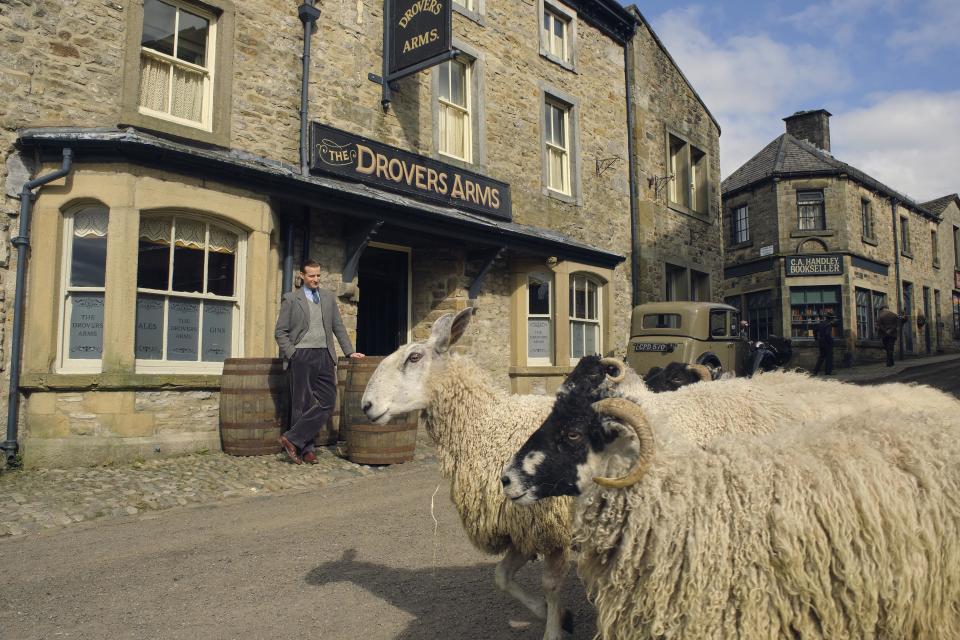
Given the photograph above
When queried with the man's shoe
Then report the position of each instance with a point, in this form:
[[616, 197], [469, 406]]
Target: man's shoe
[[310, 457], [291, 450]]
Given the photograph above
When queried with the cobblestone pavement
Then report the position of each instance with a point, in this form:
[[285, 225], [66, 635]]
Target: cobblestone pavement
[[35, 500]]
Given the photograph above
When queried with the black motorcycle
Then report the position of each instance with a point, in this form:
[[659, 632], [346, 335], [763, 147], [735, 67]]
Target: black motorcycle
[[772, 354]]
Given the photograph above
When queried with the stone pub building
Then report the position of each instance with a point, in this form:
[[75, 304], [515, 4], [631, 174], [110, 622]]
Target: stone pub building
[[181, 175]]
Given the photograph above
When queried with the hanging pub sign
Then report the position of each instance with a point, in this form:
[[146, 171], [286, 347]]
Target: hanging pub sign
[[419, 31], [350, 156], [824, 264]]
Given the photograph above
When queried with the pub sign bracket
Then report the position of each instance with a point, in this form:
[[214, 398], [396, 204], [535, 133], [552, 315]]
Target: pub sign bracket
[[356, 245]]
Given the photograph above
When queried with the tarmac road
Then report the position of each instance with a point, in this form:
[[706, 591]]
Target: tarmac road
[[361, 560], [942, 375]]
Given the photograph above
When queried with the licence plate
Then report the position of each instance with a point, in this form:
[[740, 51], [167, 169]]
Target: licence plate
[[662, 347]]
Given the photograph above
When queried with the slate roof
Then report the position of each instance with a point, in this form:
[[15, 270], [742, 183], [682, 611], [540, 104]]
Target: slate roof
[[790, 157], [937, 206], [277, 178]]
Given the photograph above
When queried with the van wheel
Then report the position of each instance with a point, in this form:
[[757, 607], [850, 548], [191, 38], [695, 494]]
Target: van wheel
[[713, 364]]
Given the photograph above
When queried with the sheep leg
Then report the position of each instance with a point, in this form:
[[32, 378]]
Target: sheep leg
[[503, 576], [558, 619]]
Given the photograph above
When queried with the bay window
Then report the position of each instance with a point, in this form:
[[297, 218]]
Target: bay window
[[84, 279], [539, 319], [584, 317]]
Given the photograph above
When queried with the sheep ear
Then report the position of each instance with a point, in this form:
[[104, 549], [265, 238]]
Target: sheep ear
[[449, 328]]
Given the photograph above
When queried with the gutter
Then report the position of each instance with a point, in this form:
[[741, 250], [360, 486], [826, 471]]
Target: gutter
[[632, 164], [308, 16], [22, 243]]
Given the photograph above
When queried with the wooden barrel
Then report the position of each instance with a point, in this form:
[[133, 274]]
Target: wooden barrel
[[253, 406], [368, 443], [332, 431]]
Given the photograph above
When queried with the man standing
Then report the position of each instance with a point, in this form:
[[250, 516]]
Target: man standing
[[308, 321], [888, 325], [824, 336]]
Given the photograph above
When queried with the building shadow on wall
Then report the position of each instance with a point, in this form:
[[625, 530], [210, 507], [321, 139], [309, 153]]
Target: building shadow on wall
[[458, 601]]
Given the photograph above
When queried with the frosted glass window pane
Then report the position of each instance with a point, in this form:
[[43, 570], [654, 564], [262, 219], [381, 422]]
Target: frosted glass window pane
[[148, 338], [217, 330], [183, 328], [590, 339], [86, 326], [576, 337]]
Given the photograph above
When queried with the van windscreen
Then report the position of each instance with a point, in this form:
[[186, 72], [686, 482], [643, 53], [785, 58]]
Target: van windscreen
[[661, 321]]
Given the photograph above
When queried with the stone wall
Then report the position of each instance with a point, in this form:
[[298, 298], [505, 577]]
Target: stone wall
[[665, 102]]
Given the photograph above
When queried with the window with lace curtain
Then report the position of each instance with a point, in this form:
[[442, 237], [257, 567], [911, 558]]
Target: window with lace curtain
[[557, 143], [189, 271], [176, 62], [454, 108], [84, 271]]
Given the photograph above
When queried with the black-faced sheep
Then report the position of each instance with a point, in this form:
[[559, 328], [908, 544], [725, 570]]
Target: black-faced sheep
[[844, 527], [476, 428]]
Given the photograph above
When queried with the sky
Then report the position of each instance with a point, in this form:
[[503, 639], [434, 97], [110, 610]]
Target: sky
[[888, 71]]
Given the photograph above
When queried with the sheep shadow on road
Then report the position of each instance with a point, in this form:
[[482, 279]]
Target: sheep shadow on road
[[456, 601]]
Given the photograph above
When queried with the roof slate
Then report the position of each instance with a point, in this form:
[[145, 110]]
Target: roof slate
[[788, 156], [938, 205]]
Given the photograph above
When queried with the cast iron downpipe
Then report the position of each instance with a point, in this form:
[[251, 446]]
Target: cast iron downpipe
[[632, 164], [896, 270], [22, 243], [308, 15]]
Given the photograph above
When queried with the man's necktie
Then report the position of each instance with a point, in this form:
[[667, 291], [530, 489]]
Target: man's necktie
[[316, 295]]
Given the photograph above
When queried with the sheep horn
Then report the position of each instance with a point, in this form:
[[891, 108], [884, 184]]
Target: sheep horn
[[632, 415], [701, 371], [613, 362]]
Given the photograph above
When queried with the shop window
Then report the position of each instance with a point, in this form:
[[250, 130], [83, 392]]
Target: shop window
[[810, 305], [866, 218], [188, 302], [557, 146], [84, 278], [689, 186], [539, 319], [740, 225], [760, 314], [810, 210], [905, 235], [584, 317], [454, 111], [868, 306], [177, 63]]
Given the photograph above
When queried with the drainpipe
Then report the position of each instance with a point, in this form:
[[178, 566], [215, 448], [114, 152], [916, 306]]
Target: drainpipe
[[308, 16], [896, 267], [22, 243], [632, 164]]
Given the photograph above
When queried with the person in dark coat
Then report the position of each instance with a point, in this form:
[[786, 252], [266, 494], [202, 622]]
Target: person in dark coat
[[824, 336], [888, 326]]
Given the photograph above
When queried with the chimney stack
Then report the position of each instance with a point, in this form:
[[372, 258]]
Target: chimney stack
[[812, 126]]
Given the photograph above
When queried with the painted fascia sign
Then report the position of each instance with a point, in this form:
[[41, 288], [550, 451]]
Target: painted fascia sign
[[420, 32], [354, 157], [825, 264]]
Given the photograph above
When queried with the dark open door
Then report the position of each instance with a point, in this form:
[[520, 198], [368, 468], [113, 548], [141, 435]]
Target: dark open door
[[382, 312]]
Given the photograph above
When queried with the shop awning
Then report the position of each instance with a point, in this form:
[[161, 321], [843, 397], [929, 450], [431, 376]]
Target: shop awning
[[278, 179]]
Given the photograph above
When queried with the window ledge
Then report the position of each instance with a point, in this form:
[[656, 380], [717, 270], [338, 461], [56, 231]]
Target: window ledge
[[470, 14], [459, 162], [869, 240], [562, 197], [740, 245], [117, 381], [906, 254], [539, 371], [557, 61], [812, 233], [936, 263]]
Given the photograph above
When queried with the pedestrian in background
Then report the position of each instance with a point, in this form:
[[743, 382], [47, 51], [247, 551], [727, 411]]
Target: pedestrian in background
[[309, 320], [888, 325], [824, 336]]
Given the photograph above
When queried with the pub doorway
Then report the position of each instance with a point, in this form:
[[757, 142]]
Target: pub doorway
[[383, 314]]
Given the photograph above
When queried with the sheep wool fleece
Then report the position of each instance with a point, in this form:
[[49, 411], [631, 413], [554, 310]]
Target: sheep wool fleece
[[476, 428], [832, 532]]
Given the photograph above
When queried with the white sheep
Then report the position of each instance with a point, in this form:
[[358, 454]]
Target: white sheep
[[476, 427], [847, 527]]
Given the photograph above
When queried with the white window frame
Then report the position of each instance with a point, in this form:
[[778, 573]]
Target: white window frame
[[208, 71], [466, 4], [552, 149], [555, 46], [65, 363], [596, 323], [550, 316], [445, 104], [238, 297]]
